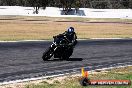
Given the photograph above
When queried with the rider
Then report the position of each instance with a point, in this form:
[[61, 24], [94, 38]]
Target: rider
[[69, 35]]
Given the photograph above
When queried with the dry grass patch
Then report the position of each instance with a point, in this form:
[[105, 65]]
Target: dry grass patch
[[71, 81], [29, 28]]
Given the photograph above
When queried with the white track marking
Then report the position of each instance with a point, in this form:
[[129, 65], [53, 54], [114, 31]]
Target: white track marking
[[77, 39], [44, 77]]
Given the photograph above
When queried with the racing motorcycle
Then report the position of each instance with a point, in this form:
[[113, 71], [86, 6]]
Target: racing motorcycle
[[59, 49]]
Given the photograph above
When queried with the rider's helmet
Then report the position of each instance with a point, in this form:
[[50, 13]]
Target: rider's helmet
[[70, 29]]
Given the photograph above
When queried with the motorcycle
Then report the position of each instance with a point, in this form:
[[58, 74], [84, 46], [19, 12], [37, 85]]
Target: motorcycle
[[60, 48]]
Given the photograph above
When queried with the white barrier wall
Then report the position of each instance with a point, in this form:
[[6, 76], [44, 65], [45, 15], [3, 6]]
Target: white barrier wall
[[56, 12]]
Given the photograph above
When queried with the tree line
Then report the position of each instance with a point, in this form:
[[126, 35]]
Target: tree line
[[68, 4]]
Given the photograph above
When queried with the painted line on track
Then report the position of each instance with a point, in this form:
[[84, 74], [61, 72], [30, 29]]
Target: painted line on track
[[77, 39], [75, 70], [63, 74]]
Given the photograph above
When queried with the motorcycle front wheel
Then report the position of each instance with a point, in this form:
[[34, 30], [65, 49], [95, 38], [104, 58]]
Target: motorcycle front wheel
[[47, 54]]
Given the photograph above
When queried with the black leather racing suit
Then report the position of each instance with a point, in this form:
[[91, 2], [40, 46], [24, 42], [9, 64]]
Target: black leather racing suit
[[69, 36]]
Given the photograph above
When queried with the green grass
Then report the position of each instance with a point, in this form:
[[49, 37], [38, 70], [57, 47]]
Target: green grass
[[72, 82]]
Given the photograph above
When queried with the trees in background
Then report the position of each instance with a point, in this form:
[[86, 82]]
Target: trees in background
[[8, 2], [130, 4], [68, 4], [32, 3], [37, 4]]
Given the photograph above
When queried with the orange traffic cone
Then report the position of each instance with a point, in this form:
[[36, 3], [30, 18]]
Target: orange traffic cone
[[84, 73], [84, 81]]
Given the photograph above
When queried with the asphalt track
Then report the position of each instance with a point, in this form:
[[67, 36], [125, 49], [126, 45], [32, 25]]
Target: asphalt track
[[21, 60]]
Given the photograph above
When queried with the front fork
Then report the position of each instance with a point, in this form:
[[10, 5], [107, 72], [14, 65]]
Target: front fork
[[54, 46]]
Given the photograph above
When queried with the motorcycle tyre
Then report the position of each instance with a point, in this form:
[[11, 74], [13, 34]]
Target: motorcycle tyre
[[47, 54]]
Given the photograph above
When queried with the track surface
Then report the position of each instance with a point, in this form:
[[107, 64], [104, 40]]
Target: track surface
[[23, 59]]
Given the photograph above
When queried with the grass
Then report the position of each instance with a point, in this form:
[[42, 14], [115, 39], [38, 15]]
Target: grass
[[34, 28], [44, 18], [72, 82]]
